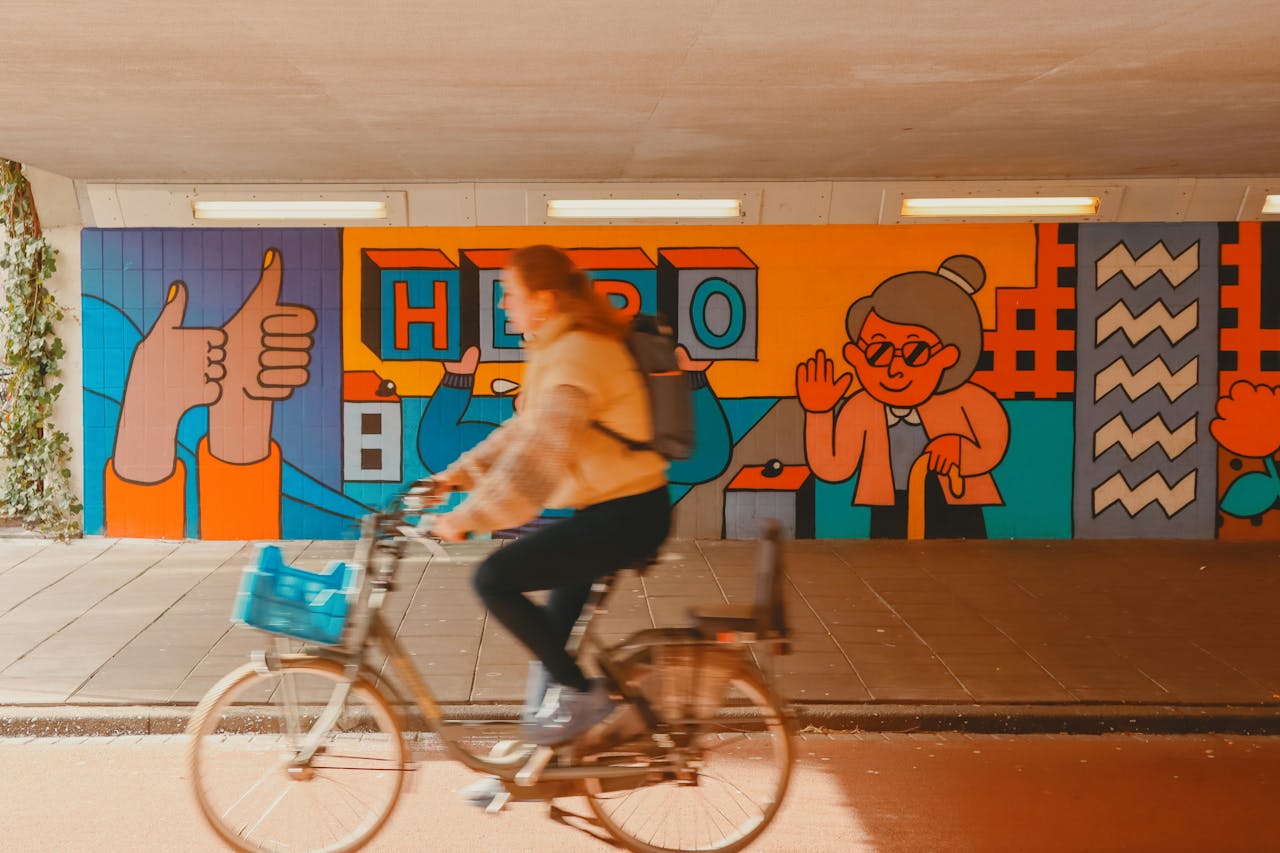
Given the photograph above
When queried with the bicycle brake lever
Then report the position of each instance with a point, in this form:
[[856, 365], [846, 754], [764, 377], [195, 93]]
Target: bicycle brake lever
[[421, 533], [423, 494]]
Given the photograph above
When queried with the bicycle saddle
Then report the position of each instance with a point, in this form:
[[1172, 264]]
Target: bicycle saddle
[[766, 617]]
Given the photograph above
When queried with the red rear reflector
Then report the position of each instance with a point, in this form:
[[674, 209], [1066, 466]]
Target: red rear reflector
[[726, 637]]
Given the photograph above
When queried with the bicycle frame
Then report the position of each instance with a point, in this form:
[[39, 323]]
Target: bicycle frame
[[370, 630]]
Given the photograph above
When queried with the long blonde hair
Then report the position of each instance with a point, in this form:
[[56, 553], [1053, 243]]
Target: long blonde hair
[[544, 267]]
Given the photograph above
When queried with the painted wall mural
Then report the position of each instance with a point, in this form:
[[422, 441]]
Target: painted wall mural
[[1037, 381]]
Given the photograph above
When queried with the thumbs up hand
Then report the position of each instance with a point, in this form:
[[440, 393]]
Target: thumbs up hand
[[268, 354], [173, 369], [268, 342]]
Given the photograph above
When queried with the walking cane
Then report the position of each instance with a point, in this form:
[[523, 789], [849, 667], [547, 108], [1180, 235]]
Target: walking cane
[[915, 493]]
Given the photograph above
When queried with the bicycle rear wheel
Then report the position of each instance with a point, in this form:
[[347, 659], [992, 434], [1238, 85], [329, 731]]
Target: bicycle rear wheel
[[732, 764], [279, 764]]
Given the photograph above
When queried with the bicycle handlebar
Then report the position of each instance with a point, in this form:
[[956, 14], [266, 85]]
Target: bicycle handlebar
[[394, 521]]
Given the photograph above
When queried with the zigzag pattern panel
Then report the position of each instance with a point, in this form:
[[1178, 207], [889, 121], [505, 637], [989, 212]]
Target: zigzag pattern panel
[[1138, 441], [1155, 319], [1153, 491], [1155, 374], [1120, 261], [1145, 464]]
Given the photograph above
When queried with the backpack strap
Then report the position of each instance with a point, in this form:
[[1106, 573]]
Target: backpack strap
[[631, 443]]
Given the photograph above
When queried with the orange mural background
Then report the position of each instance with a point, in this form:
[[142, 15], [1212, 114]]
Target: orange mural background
[[808, 278]]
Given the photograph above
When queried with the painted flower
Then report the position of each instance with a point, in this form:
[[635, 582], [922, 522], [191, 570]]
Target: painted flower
[[1248, 421]]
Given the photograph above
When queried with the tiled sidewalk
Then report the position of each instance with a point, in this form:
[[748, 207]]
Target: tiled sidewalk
[[136, 622]]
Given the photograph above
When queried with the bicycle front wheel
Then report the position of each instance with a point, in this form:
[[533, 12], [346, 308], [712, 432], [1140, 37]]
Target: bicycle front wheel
[[732, 764], [295, 760]]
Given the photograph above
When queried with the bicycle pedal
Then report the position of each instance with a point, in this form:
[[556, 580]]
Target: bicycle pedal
[[531, 772], [498, 803], [509, 751]]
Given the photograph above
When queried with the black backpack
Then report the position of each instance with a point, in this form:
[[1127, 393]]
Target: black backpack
[[653, 346]]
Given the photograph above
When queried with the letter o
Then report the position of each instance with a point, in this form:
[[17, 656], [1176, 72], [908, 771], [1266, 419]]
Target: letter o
[[702, 295]]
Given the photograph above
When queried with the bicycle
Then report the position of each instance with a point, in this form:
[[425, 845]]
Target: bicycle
[[308, 751]]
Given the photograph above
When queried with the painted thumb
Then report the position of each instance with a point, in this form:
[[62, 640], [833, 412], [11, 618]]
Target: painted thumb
[[175, 306]]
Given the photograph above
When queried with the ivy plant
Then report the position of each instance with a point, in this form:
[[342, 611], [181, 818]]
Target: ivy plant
[[36, 484]]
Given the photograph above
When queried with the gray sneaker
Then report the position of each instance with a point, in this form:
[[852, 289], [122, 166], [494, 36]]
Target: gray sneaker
[[535, 690], [482, 792], [569, 715]]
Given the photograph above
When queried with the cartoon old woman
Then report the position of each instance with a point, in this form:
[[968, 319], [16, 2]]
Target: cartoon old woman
[[914, 344]]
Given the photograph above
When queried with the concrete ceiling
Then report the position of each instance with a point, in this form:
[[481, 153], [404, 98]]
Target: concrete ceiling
[[594, 90]]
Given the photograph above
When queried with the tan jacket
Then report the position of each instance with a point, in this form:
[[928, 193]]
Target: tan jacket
[[528, 463], [602, 467]]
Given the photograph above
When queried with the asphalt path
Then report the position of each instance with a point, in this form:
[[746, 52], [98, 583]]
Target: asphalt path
[[850, 792]]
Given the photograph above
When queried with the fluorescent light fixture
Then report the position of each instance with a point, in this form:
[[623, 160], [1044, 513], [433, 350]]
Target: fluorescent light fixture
[[644, 208], [259, 209], [1271, 204], [1002, 206]]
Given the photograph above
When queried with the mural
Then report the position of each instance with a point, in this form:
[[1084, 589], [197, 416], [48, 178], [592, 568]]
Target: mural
[[1039, 381]]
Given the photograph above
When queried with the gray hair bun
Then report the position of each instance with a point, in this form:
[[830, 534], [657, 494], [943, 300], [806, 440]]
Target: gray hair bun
[[966, 271]]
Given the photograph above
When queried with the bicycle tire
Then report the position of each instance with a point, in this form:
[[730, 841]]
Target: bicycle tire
[[228, 741], [628, 815]]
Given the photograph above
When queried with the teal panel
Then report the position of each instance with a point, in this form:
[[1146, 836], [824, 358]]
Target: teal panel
[[492, 410], [305, 521], [1034, 477], [411, 467], [99, 443], [742, 415], [835, 515], [193, 427]]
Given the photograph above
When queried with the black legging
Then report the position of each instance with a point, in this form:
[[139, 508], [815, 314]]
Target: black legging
[[565, 558]]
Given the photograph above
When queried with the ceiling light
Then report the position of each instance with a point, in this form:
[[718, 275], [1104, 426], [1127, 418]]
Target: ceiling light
[[1001, 206], [260, 209], [644, 208], [1271, 205]]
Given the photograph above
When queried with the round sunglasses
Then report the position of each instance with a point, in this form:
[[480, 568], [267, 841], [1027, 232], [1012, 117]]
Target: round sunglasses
[[912, 353]]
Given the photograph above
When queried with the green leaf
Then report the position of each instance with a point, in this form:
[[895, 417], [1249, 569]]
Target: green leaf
[[1251, 494], [36, 481]]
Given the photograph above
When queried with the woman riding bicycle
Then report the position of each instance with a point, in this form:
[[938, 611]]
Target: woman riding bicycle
[[551, 455]]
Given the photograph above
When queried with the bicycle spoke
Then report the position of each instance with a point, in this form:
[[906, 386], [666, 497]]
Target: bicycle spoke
[[269, 810], [732, 787], [738, 777], [254, 787], [720, 812], [656, 815], [632, 795], [326, 815], [324, 761], [344, 788], [335, 801]]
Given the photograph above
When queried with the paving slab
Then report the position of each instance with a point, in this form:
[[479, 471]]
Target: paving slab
[[1064, 630]]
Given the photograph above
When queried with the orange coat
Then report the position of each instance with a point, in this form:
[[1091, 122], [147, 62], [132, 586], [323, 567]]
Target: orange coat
[[859, 436]]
